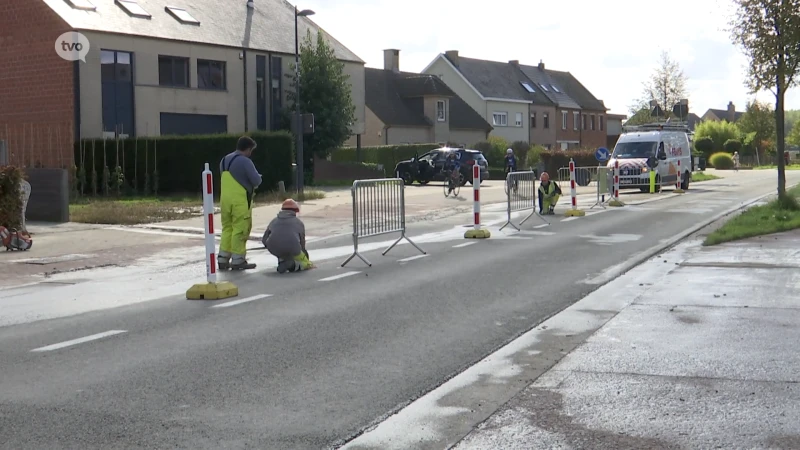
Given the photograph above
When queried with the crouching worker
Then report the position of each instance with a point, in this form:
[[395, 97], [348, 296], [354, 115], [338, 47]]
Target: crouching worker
[[285, 239], [549, 193]]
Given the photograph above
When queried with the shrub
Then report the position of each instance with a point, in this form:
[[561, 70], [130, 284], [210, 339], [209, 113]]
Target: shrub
[[10, 196], [521, 149], [718, 131], [732, 145], [173, 164], [556, 159], [704, 145], [387, 155], [497, 151], [534, 155], [721, 161]]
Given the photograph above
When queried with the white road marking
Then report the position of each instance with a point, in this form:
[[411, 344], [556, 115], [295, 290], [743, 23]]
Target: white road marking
[[411, 258], [78, 341], [465, 244], [612, 239], [569, 219], [542, 225], [340, 276], [244, 300]]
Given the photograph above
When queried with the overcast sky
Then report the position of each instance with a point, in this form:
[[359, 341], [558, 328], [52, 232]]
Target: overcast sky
[[611, 47]]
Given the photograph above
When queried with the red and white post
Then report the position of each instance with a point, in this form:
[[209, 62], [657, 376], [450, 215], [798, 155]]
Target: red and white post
[[615, 201], [678, 181], [476, 196], [208, 213], [573, 192]]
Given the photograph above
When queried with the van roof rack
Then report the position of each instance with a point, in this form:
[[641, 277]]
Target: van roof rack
[[675, 126]]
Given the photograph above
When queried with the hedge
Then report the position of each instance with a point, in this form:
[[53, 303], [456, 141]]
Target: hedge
[[10, 196], [556, 159], [173, 164], [721, 161], [387, 155]]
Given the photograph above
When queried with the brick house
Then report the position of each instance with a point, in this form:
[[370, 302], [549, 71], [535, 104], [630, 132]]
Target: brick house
[[730, 114], [153, 68]]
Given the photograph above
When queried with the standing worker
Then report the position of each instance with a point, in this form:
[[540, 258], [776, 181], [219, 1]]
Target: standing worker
[[238, 182]]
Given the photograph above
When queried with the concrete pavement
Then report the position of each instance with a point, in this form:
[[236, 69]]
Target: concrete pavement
[[310, 360]]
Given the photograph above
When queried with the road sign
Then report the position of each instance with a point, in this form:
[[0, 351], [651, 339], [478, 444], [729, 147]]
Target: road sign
[[601, 154]]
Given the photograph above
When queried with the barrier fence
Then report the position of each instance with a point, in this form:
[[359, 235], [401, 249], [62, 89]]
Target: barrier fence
[[521, 196], [378, 208]]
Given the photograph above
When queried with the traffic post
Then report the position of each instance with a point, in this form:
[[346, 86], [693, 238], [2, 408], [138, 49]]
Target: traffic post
[[678, 181], [616, 201], [477, 232], [573, 193], [211, 289]]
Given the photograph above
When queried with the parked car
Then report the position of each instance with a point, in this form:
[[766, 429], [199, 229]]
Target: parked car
[[430, 166]]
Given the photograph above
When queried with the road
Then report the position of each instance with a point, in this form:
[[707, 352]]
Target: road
[[324, 353]]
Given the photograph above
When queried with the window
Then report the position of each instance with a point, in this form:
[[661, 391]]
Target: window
[[555, 88], [183, 124], [601, 122], [173, 71], [564, 120], [83, 5], [544, 88], [576, 119], [592, 123], [527, 87], [533, 120], [500, 119], [132, 8], [583, 121], [181, 15], [518, 120], [116, 79], [441, 114], [211, 75], [546, 120]]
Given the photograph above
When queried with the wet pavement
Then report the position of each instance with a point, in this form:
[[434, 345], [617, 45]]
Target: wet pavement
[[704, 356]]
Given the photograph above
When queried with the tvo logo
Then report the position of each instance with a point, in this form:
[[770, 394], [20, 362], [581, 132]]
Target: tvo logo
[[72, 46]]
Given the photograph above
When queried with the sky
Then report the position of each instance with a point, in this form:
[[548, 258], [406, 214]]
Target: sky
[[611, 47]]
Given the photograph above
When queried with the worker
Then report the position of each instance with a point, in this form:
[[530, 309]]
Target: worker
[[549, 193], [285, 238], [238, 181]]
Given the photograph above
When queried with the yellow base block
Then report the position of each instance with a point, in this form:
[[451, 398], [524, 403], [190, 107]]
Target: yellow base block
[[616, 203], [678, 191], [212, 291], [482, 233], [574, 213]]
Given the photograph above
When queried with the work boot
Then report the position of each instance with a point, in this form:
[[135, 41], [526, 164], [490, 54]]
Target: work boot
[[243, 265], [285, 265], [223, 262], [552, 210]]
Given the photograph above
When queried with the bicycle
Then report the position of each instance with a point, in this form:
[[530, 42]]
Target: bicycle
[[453, 181]]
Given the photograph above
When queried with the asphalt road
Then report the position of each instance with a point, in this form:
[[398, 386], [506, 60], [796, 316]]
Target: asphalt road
[[317, 361]]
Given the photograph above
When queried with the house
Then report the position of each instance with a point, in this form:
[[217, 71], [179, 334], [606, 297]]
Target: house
[[152, 68], [613, 129], [731, 115], [411, 108], [561, 112]]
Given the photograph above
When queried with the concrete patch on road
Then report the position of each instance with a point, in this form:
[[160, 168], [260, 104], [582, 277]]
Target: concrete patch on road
[[611, 239]]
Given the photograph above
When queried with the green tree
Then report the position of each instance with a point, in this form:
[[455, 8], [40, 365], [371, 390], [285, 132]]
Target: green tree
[[325, 91], [794, 137], [704, 145], [768, 32], [759, 118], [791, 118], [718, 131], [666, 85]]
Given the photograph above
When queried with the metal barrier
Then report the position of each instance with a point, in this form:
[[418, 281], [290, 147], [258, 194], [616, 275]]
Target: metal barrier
[[521, 196], [599, 177], [379, 207]]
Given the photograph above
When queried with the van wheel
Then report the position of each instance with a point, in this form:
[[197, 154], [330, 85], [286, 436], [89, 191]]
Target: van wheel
[[407, 178], [685, 182]]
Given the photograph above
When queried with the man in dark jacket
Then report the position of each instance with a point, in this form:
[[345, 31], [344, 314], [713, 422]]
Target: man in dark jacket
[[285, 238]]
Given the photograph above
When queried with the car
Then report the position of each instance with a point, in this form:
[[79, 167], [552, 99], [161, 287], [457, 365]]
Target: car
[[430, 166], [668, 144]]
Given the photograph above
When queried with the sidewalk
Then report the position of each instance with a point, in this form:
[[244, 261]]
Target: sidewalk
[[705, 356]]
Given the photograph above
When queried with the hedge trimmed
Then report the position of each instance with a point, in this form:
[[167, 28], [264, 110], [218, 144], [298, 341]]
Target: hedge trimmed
[[388, 155], [173, 164], [721, 161], [556, 159], [10, 196]]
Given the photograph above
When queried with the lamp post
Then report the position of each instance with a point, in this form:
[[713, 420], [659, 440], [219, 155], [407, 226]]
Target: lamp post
[[298, 115]]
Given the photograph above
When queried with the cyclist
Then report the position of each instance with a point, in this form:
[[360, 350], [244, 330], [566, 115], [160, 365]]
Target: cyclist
[[452, 167], [511, 164]]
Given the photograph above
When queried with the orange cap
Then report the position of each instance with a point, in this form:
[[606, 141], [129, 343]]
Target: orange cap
[[544, 177], [290, 205]]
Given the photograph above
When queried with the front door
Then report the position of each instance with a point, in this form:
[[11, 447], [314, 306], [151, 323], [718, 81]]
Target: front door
[[116, 71]]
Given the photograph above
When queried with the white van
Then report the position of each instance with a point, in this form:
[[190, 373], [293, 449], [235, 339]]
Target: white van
[[667, 143]]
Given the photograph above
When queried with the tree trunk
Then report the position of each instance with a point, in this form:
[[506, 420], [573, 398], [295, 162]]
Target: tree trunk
[[779, 126]]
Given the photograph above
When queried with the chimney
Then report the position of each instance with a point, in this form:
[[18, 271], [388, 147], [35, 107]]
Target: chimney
[[731, 112], [514, 62], [391, 60], [452, 55], [541, 65]]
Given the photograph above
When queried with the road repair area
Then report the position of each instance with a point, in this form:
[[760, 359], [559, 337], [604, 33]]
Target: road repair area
[[606, 329]]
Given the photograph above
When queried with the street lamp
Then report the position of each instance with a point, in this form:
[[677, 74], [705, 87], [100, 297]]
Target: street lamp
[[298, 116]]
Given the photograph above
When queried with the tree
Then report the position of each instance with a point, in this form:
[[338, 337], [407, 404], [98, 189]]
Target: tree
[[324, 91], [704, 145], [667, 86], [718, 131], [794, 137], [791, 118], [768, 32], [759, 119]]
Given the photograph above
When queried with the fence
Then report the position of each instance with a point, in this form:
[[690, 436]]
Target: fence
[[40, 145], [378, 208], [521, 196], [599, 177]]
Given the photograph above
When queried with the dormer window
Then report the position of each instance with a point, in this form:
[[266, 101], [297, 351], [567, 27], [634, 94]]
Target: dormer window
[[133, 8], [527, 87], [544, 88], [181, 15], [83, 5], [555, 88], [441, 111]]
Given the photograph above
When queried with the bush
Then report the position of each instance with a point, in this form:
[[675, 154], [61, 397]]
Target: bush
[[732, 145], [556, 159], [387, 155], [534, 155], [704, 145], [173, 164], [721, 161], [10, 196], [719, 132], [497, 151]]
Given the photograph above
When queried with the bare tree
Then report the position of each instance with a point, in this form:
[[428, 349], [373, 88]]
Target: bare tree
[[666, 85], [768, 32]]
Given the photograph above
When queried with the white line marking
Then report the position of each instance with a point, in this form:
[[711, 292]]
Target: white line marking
[[411, 258], [542, 225], [465, 244], [341, 275], [244, 300], [78, 341], [568, 219]]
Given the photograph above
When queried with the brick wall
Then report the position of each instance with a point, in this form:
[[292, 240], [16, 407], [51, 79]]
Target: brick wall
[[36, 86]]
